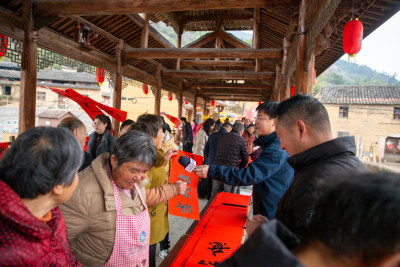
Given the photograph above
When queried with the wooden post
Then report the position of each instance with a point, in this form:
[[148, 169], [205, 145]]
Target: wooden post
[[157, 103], [284, 90], [180, 106], [256, 35], [276, 93], [310, 71], [27, 103], [205, 107], [145, 32], [118, 85], [301, 56], [195, 104], [179, 43]]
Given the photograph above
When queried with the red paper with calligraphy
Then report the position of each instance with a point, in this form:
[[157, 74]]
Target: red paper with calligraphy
[[187, 205], [3, 147]]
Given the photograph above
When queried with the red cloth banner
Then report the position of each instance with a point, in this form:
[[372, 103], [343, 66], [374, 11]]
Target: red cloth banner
[[218, 234], [173, 119], [187, 205], [91, 107], [3, 148]]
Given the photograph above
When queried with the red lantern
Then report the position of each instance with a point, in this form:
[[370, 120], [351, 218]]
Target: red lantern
[[145, 89], [212, 103], [169, 96], [197, 106], [186, 101], [259, 103], [292, 91], [352, 37], [100, 74], [3, 45], [315, 76]]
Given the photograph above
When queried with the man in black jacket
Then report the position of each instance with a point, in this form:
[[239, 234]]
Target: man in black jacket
[[302, 125], [231, 152], [187, 135], [355, 224]]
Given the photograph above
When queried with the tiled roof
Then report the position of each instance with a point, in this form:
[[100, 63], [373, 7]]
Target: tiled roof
[[55, 75], [371, 94], [53, 114]]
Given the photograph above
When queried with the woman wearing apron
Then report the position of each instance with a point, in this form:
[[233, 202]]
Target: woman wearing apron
[[107, 218]]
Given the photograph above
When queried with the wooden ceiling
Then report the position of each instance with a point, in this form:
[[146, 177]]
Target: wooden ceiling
[[218, 65]]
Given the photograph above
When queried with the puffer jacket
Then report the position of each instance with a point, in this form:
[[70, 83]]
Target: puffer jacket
[[335, 158], [199, 142], [159, 225], [231, 150], [107, 141], [90, 214], [26, 241]]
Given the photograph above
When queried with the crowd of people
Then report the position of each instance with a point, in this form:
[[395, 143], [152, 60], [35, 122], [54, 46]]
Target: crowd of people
[[314, 204]]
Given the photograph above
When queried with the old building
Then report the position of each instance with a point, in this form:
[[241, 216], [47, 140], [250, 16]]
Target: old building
[[370, 113]]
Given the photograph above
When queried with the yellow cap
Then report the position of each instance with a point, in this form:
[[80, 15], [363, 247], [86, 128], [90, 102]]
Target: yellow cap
[[204, 117]]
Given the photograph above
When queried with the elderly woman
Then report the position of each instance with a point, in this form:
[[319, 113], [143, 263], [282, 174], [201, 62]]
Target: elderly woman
[[37, 173], [101, 140], [107, 217], [153, 126]]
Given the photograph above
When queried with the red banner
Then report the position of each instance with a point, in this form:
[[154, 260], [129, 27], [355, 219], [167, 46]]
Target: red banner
[[187, 205], [3, 147], [91, 107]]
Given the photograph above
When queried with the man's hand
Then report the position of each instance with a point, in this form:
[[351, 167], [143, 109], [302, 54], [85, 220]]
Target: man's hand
[[169, 154], [202, 171], [180, 187], [253, 223]]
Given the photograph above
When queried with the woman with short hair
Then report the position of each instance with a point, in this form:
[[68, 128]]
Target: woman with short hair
[[202, 136], [37, 173], [107, 217], [101, 140]]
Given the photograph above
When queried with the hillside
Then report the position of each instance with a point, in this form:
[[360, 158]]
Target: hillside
[[347, 73]]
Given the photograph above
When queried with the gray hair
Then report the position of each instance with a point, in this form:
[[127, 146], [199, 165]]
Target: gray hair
[[238, 127], [135, 145], [39, 159], [71, 123]]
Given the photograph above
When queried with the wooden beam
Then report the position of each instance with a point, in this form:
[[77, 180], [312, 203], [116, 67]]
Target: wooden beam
[[301, 69], [230, 92], [217, 74], [232, 40], [157, 100], [49, 8], [118, 85], [27, 100], [145, 32], [228, 85], [230, 63], [201, 53], [203, 40]]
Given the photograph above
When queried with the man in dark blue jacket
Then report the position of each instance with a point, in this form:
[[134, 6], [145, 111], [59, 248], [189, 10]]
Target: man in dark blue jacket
[[210, 149], [270, 173]]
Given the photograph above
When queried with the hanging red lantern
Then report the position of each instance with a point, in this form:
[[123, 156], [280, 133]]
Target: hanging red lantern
[[169, 96], [259, 103], [100, 74], [212, 103], [292, 91], [186, 101], [3, 45], [145, 89], [315, 76], [352, 37], [197, 106]]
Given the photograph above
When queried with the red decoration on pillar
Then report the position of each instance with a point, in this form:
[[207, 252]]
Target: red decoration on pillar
[[292, 91], [100, 74], [212, 103], [259, 103], [145, 89], [169, 96], [315, 76], [352, 37], [186, 101], [3, 45]]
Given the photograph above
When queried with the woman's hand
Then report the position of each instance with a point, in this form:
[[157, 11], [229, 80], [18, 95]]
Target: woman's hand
[[169, 154], [180, 187]]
